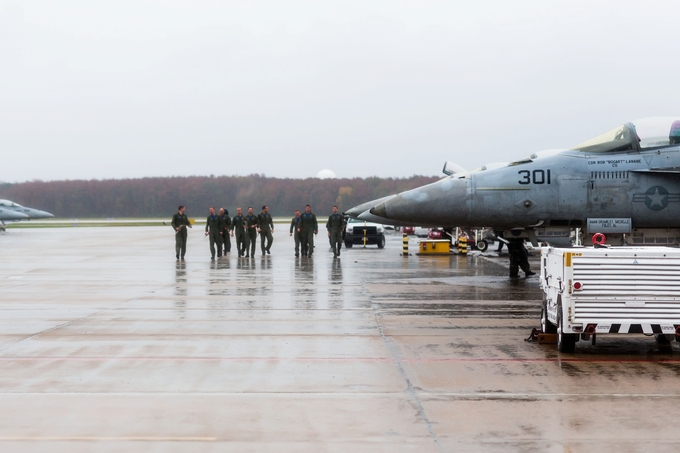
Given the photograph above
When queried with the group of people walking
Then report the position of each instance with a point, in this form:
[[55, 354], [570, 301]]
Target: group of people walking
[[303, 227], [244, 228], [220, 228]]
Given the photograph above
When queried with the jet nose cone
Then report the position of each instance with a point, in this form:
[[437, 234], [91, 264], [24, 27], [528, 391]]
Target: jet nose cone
[[38, 214], [356, 211], [380, 210], [443, 203]]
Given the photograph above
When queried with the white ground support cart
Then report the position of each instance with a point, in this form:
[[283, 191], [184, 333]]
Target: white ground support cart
[[591, 291]]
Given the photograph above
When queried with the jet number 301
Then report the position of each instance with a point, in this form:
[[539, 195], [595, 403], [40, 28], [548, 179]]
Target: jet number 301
[[534, 177]]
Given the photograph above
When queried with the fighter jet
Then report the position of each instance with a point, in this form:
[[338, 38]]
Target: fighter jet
[[29, 213], [624, 184], [363, 210], [10, 211]]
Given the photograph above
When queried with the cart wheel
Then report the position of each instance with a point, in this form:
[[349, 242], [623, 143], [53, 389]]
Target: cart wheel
[[546, 326], [482, 245], [661, 338], [348, 245], [381, 241], [566, 342]]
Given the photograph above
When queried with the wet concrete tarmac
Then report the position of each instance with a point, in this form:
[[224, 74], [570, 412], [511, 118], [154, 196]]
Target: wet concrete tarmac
[[108, 344]]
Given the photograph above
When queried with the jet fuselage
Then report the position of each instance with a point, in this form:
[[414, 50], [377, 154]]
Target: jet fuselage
[[622, 176]]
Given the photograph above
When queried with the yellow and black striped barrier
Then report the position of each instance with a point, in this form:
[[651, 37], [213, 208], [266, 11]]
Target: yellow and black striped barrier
[[462, 245], [404, 247]]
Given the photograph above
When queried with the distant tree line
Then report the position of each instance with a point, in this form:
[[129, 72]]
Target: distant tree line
[[159, 197]]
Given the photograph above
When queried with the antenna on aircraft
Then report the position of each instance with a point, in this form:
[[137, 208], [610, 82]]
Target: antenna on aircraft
[[451, 169]]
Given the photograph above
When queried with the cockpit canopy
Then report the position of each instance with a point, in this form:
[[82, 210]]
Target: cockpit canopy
[[638, 135], [635, 136], [9, 204]]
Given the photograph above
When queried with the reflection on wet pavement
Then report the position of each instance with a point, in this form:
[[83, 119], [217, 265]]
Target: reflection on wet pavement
[[372, 351]]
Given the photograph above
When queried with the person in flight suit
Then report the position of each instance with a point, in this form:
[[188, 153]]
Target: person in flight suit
[[519, 257], [251, 228], [265, 226], [226, 227], [238, 228], [180, 222], [334, 226], [308, 228], [214, 228], [497, 235], [295, 230]]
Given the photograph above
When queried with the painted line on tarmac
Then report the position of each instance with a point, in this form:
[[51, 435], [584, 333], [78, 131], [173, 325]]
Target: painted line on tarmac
[[354, 394], [344, 359], [105, 438], [501, 395]]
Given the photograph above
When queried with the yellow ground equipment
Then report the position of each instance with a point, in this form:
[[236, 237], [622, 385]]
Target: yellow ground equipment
[[434, 247]]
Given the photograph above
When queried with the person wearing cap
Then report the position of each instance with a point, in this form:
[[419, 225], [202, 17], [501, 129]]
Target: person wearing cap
[[180, 222], [265, 226]]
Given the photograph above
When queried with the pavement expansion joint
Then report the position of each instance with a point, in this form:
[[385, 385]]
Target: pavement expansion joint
[[397, 355]]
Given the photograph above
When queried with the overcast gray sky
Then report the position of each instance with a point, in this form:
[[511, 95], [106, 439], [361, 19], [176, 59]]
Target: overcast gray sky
[[118, 89]]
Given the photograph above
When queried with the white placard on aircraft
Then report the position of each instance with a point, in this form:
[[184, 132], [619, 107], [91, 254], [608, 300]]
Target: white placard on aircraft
[[609, 225]]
